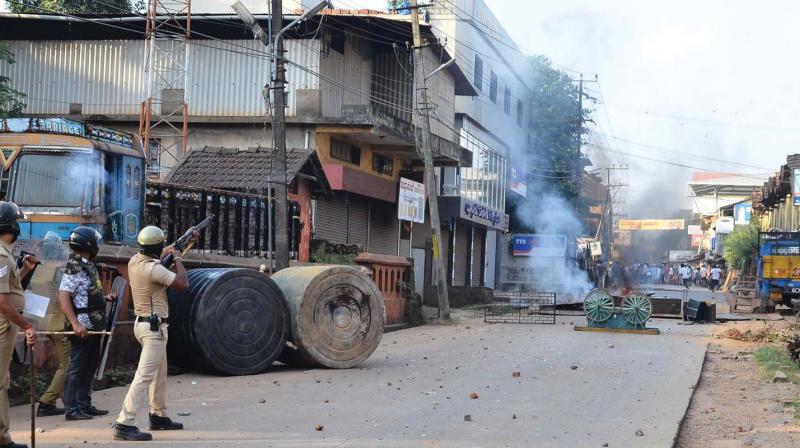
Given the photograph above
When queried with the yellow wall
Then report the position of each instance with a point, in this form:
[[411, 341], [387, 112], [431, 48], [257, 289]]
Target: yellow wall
[[323, 142]]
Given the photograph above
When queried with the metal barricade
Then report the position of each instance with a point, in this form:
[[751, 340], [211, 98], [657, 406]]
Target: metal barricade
[[521, 308]]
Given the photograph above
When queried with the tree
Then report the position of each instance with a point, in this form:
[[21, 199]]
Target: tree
[[11, 100], [741, 247], [76, 6], [556, 126]]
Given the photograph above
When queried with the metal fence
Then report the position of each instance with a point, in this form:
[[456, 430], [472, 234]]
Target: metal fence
[[521, 308]]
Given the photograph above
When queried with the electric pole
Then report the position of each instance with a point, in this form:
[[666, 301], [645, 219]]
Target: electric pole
[[279, 133], [423, 120]]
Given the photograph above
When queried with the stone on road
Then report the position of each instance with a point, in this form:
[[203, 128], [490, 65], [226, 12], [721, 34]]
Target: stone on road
[[642, 385]]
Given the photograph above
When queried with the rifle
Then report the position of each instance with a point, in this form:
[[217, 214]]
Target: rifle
[[186, 240]]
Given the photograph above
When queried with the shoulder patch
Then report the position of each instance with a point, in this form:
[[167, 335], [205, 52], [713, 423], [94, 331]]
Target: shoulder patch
[[3, 271]]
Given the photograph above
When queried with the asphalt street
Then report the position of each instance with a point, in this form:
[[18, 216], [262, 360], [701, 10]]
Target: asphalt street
[[573, 389]]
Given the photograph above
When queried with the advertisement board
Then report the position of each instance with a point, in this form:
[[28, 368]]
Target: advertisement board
[[680, 256], [742, 213], [651, 224], [411, 201], [516, 182], [796, 186], [539, 245]]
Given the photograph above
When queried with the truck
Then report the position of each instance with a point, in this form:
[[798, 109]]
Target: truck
[[778, 269], [64, 173]]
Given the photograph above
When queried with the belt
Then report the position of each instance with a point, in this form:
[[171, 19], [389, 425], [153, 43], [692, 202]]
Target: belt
[[161, 320]]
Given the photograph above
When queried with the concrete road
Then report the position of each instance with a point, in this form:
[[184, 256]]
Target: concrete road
[[575, 389]]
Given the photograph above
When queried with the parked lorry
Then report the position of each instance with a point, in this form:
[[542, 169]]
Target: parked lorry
[[778, 269]]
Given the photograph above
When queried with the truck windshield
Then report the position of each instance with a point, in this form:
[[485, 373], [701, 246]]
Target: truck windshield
[[56, 180]]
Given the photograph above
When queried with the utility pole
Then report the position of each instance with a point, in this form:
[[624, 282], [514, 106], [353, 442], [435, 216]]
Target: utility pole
[[423, 120], [279, 136]]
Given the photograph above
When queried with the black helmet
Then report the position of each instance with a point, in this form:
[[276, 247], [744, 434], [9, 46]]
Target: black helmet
[[84, 239], [10, 215]]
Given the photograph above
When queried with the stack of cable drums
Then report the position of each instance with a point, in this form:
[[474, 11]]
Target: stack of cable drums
[[237, 321]]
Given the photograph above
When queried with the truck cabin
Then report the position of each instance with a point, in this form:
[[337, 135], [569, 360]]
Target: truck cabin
[[64, 173]]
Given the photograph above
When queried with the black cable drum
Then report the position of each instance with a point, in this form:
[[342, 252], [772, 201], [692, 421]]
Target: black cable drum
[[231, 321]]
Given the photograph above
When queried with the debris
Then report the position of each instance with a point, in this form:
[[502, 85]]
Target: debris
[[319, 427], [639, 432], [610, 346], [513, 416], [515, 374], [780, 377], [184, 413], [262, 401], [605, 444], [573, 367], [39, 430], [468, 418], [473, 395], [327, 401]]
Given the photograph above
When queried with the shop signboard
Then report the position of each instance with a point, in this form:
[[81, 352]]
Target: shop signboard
[[651, 224], [481, 214], [539, 245], [411, 201]]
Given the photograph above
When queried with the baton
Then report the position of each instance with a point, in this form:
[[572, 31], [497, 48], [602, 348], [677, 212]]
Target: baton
[[72, 332], [33, 400]]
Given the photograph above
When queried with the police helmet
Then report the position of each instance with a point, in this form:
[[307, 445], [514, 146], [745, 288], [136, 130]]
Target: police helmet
[[85, 239], [10, 215], [151, 240]]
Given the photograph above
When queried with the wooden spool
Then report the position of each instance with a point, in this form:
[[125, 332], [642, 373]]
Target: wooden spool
[[231, 321], [337, 315]]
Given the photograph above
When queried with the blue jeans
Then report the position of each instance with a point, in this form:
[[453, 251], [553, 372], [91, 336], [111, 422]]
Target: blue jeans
[[84, 358]]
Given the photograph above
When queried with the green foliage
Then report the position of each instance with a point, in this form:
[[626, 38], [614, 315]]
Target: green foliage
[[11, 100], [557, 124], [741, 246], [770, 359], [76, 6], [325, 252]]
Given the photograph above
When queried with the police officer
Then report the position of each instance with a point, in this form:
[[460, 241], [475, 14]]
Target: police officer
[[12, 302], [149, 281], [82, 301]]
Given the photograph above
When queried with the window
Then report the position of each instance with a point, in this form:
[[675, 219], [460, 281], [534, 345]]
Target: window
[[345, 151], [519, 113], [493, 87], [382, 164], [507, 102], [128, 182], [57, 180], [137, 182], [478, 76]]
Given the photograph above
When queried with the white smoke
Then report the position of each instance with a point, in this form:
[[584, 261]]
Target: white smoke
[[549, 213]]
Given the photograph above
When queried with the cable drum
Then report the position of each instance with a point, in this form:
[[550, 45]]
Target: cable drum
[[230, 321], [337, 315]]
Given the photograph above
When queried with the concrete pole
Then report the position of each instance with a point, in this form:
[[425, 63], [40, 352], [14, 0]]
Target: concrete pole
[[423, 119], [279, 152]]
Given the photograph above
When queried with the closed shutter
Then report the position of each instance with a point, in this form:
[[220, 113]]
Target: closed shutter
[[359, 220], [330, 220], [477, 256], [405, 248], [462, 251], [384, 228]]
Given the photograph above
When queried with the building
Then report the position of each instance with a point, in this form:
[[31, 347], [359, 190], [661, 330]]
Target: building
[[492, 125], [774, 201], [350, 102]]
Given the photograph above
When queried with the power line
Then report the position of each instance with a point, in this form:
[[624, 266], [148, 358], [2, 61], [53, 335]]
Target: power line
[[706, 121]]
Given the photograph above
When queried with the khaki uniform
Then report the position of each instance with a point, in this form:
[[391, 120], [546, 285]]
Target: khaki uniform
[[61, 347], [148, 280], [9, 284]]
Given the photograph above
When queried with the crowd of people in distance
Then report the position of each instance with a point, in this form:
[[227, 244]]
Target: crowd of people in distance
[[700, 275]]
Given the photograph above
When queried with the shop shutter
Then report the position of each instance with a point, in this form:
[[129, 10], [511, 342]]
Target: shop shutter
[[477, 256], [405, 248], [331, 219], [359, 220], [462, 252], [384, 228]]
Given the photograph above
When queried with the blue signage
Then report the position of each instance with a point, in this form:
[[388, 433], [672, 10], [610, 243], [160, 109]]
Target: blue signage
[[539, 245]]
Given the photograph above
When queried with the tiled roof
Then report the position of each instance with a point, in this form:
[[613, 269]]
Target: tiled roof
[[234, 168]]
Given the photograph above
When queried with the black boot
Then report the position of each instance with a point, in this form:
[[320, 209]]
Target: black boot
[[158, 423], [46, 410], [127, 432], [94, 412], [14, 445], [79, 415]]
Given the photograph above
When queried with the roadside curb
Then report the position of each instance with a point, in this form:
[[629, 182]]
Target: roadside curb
[[691, 397]]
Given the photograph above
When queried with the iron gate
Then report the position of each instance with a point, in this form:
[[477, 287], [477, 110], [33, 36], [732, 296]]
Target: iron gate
[[521, 308]]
